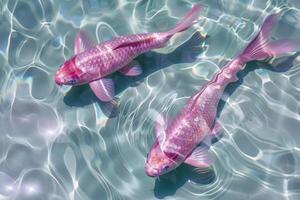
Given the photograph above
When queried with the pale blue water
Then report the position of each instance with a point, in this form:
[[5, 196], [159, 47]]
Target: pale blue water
[[57, 143]]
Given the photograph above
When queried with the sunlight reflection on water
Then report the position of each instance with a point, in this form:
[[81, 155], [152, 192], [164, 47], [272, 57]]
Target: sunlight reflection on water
[[57, 142]]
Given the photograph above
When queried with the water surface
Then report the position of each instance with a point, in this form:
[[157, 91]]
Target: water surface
[[58, 143]]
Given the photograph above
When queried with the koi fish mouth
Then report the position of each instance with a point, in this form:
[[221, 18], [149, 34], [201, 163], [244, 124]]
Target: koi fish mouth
[[150, 171], [58, 80]]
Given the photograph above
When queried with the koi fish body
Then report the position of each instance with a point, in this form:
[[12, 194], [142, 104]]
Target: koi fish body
[[178, 141], [91, 64]]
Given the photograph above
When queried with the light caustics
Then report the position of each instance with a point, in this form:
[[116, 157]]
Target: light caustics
[[57, 143]]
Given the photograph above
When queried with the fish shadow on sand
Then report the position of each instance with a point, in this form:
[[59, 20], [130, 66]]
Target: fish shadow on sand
[[150, 62], [279, 67]]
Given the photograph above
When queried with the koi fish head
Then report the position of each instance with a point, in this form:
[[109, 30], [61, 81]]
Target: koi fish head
[[69, 74], [158, 163]]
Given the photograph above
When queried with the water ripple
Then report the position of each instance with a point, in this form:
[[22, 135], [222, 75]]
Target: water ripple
[[58, 143]]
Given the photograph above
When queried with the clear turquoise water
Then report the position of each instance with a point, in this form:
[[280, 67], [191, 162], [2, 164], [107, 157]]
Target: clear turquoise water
[[57, 143]]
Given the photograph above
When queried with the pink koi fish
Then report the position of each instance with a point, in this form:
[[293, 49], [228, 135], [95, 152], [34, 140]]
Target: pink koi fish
[[92, 64], [178, 141]]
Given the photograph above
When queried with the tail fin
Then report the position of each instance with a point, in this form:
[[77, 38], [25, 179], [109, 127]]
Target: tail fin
[[261, 47], [187, 20]]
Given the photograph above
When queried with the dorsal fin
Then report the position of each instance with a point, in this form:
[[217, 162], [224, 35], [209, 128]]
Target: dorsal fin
[[132, 43]]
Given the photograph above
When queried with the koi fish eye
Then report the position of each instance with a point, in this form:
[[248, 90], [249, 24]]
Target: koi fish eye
[[71, 82], [165, 168]]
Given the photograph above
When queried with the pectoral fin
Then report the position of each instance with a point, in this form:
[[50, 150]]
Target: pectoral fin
[[200, 158], [216, 131], [160, 133], [82, 42], [132, 69], [160, 127], [103, 89]]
